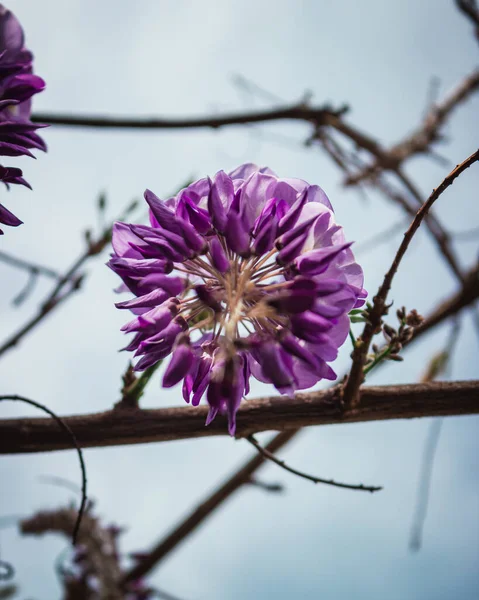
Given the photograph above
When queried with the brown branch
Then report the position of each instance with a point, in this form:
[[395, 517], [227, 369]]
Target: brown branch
[[297, 112], [29, 266], [72, 277], [98, 543], [420, 140], [73, 441], [465, 297], [116, 427], [471, 10], [359, 355], [203, 510], [437, 366], [347, 162], [281, 463]]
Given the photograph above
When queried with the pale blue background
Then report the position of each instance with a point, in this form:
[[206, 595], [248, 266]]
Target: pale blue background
[[177, 58]]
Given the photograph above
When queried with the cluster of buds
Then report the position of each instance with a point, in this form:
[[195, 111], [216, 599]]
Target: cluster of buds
[[395, 338]]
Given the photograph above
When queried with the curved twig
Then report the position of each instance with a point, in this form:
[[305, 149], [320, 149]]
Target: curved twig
[[270, 456], [70, 433], [356, 375]]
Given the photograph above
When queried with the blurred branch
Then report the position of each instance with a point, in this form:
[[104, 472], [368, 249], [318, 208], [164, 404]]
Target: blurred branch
[[319, 116], [429, 453], [380, 238], [470, 9], [71, 278], [379, 308], [203, 510], [98, 545], [34, 271], [467, 296], [119, 427], [273, 488], [437, 366], [420, 140], [29, 266], [347, 161]]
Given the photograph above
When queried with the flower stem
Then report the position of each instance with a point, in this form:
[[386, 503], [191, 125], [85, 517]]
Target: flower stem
[[377, 360]]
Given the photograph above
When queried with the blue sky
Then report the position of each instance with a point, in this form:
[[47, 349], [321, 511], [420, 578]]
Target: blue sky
[[179, 58]]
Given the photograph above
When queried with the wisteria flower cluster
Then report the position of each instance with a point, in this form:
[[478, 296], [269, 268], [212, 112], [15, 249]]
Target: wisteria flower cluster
[[246, 274], [17, 86]]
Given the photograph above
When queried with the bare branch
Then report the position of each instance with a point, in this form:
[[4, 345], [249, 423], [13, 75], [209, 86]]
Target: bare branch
[[98, 543], [437, 366], [27, 265], [296, 112], [356, 375], [281, 463], [118, 427], [432, 441], [203, 510], [71, 278], [420, 140], [72, 439], [471, 10], [244, 475]]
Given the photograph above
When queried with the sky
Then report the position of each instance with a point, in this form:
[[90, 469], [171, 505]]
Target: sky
[[166, 58]]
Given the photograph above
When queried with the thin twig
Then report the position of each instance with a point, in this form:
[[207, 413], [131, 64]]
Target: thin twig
[[420, 140], [71, 277], [270, 456], [437, 366], [66, 428], [415, 540], [34, 271], [359, 355], [26, 265], [274, 488], [380, 238]]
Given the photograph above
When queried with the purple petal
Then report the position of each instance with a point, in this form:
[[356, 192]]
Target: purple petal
[[180, 364], [218, 256], [219, 199]]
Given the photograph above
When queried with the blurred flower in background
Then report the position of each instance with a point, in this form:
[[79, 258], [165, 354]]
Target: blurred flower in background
[[17, 86]]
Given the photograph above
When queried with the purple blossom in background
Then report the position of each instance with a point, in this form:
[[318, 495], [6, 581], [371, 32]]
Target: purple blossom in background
[[17, 86], [245, 274]]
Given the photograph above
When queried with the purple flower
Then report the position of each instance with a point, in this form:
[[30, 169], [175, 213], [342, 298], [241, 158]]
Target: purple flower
[[246, 274], [17, 86]]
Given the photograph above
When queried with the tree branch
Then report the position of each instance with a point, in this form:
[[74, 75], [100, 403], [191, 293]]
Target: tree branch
[[450, 307], [359, 355], [420, 140], [116, 427], [281, 463], [470, 9], [71, 277], [319, 116], [98, 543], [204, 509]]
